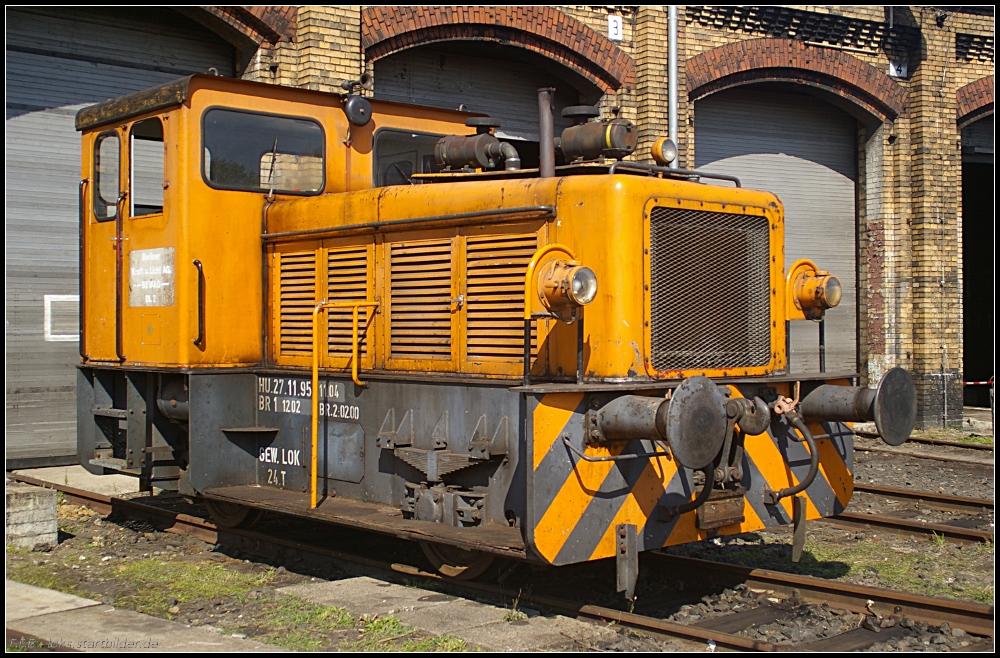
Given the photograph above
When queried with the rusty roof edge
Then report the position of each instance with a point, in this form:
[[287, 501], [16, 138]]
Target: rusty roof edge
[[123, 107]]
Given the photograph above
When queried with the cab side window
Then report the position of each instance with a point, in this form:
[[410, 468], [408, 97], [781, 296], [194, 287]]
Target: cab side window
[[107, 176], [146, 177], [399, 155], [262, 153]]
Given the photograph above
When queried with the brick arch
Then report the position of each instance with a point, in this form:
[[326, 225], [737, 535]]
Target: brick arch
[[269, 24], [389, 29], [787, 60], [974, 101]]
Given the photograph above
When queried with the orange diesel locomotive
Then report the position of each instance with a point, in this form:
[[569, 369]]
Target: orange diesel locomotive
[[371, 314]]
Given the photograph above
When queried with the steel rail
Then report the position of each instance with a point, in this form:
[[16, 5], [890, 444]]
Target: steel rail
[[950, 533], [918, 455], [972, 617], [254, 542], [935, 442], [975, 618], [167, 520], [929, 498]]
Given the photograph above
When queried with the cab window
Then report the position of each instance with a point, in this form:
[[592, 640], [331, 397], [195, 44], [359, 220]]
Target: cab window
[[146, 176], [107, 181], [399, 155], [262, 152]]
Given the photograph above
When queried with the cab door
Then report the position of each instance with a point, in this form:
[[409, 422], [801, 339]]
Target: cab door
[[149, 272], [101, 192]]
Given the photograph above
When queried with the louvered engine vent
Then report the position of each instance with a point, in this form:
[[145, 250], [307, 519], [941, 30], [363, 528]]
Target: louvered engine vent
[[420, 322], [297, 297], [347, 281], [495, 266], [709, 290]]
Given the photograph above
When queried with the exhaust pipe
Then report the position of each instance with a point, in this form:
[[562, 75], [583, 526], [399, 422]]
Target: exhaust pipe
[[546, 134]]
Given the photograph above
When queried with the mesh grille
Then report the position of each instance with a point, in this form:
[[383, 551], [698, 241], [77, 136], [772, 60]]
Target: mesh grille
[[709, 290]]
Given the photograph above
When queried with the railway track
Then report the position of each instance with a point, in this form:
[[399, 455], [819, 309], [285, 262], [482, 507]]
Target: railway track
[[866, 602], [950, 531], [974, 453]]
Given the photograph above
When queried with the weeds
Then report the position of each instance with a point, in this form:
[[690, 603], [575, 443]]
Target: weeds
[[513, 614]]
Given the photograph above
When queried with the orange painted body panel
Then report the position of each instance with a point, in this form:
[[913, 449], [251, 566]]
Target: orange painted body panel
[[219, 228], [603, 219]]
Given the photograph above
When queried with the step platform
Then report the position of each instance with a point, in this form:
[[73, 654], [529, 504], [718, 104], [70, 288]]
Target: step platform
[[487, 537]]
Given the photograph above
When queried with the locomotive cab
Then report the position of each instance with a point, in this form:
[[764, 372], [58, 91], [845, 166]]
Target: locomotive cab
[[369, 313]]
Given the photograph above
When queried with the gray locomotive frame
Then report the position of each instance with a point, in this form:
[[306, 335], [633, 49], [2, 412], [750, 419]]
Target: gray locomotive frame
[[414, 458], [392, 442]]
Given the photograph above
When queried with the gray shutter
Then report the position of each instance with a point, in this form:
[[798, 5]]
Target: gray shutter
[[505, 90], [59, 60], [804, 151]]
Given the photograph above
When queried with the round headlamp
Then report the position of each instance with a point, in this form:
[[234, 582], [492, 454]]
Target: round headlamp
[[830, 291], [565, 286], [582, 285]]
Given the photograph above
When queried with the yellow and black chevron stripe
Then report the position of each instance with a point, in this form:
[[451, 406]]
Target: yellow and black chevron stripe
[[574, 506]]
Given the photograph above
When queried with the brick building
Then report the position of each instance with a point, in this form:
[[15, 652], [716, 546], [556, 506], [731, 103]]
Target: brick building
[[873, 124]]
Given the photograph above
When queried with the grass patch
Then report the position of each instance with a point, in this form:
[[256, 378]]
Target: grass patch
[[975, 438], [388, 633], [422, 583], [299, 625], [49, 576], [903, 571], [154, 581]]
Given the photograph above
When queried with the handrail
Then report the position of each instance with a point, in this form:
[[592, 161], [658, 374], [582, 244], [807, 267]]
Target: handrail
[[83, 272], [321, 306], [502, 215], [119, 276], [617, 458], [675, 173], [529, 290], [200, 340]]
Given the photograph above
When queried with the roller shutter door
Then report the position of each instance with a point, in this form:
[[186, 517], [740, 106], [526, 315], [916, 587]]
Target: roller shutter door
[[803, 150], [59, 60], [505, 90]]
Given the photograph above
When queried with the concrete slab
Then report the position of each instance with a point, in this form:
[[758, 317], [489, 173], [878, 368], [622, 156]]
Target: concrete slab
[[78, 477], [24, 601], [477, 623], [30, 515], [103, 628]]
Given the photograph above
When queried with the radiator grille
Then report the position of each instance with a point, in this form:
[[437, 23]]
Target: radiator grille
[[495, 266], [297, 295], [709, 290], [347, 281], [420, 322]]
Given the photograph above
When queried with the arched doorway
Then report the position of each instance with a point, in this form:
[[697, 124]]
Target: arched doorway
[[978, 258], [804, 150], [501, 81]]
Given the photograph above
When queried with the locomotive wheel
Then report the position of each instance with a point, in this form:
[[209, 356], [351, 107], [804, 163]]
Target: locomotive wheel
[[233, 515], [456, 563]]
